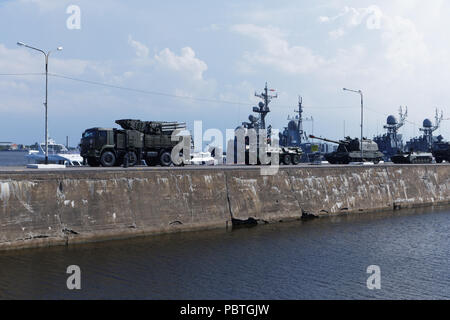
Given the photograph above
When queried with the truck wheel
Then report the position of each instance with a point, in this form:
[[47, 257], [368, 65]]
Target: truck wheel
[[295, 159], [438, 160], [108, 159], [165, 159], [132, 158], [287, 159]]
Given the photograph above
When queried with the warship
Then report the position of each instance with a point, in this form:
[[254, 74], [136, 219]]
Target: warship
[[425, 142], [391, 143], [295, 136], [287, 154]]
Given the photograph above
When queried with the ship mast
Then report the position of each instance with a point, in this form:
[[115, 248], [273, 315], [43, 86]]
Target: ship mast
[[300, 119], [264, 106], [301, 133]]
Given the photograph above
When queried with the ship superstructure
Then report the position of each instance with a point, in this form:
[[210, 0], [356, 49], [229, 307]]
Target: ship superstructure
[[391, 142], [295, 136], [425, 142]]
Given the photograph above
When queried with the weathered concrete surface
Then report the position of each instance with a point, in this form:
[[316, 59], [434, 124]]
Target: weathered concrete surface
[[73, 206]]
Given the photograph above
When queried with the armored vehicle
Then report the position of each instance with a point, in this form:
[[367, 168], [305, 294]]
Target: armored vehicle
[[349, 150], [412, 157], [137, 140], [441, 151]]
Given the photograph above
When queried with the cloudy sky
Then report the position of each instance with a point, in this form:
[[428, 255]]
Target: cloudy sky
[[214, 55]]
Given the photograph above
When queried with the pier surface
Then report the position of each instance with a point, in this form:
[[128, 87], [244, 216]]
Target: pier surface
[[47, 207]]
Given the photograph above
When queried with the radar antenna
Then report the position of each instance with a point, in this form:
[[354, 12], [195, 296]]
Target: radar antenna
[[439, 118], [403, 116]]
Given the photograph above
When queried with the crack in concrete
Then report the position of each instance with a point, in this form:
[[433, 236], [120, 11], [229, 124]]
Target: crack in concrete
[[228, 196]]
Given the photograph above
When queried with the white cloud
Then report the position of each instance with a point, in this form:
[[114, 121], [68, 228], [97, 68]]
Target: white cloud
[[405, 46], [186, 62], [277, 52], [402, 45], [141, 50], [354, 17]]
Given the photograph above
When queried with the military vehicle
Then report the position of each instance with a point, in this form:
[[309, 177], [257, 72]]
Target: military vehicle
[[137, 140], [286, 155], [412, 157], [441, 150], [349, 150]]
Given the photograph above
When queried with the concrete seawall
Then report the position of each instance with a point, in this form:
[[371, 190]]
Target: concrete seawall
[[61, 207]]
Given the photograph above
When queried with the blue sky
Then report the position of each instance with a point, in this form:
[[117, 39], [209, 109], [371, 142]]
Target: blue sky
[[395, 51]]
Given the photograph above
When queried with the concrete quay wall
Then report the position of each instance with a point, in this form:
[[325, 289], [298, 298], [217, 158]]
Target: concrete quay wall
[[63, 207]]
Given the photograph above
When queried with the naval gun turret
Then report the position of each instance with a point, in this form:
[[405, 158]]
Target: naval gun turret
[[349, 150]]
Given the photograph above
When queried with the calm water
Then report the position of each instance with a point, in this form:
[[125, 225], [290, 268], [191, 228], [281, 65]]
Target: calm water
[[13, 158], [319, 259]]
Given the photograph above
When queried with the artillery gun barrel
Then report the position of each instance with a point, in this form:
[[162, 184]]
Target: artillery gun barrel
[[323, 139]]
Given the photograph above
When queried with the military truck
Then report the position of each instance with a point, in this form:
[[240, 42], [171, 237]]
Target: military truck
[[136, 141], [349, 150]]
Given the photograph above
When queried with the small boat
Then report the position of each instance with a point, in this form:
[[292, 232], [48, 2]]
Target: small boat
[[57, 154]]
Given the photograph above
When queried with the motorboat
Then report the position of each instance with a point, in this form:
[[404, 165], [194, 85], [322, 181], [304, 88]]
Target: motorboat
[[57, 154]]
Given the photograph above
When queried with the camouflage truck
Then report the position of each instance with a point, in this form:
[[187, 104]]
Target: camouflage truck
[[136, 141]]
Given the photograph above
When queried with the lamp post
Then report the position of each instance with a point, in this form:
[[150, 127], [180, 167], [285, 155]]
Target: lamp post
[[362, 108], [46, 91]]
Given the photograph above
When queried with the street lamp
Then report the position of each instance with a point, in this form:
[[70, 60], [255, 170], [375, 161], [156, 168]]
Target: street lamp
[[46, 91], [361, 94]]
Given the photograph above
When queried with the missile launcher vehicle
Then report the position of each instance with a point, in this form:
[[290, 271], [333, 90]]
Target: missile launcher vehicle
[[136, 141]]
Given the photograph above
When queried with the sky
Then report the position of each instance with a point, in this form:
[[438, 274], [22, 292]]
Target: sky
[[204, 60]]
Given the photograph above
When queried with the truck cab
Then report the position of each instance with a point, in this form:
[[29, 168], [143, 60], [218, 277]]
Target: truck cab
[[94, 142]]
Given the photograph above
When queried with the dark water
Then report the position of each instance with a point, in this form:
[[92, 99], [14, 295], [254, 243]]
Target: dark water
[[320, 259], [13, 158]]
